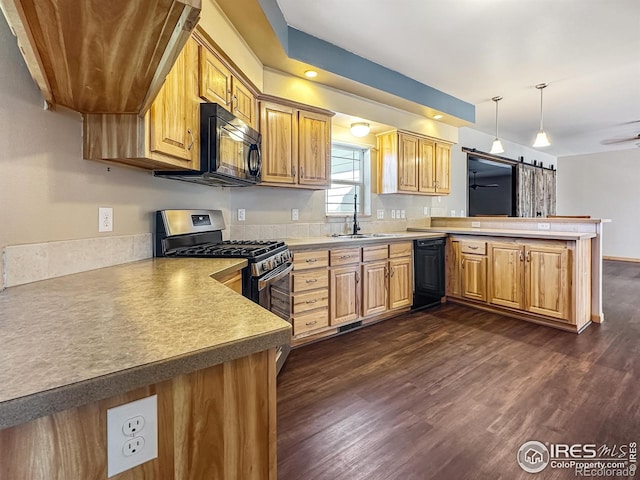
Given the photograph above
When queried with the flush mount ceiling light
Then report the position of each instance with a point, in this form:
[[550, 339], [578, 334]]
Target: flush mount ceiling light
[[437, 117], [310, 73], [359, 129], [541, 138], [497, 145]]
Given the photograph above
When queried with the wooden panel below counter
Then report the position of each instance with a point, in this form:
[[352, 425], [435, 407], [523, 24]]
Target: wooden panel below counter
[[218, 422]]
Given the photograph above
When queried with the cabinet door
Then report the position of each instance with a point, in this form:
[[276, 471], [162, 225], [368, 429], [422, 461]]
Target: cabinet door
[[443, 168], [173, 127], [426, 166], [243, 103], [374, 288], [506, 275], [279, 128], [215, 78], [407, 163], [474, 277], [453, 270], [547, 281], [314, 133], [344, 293], [400, 282]]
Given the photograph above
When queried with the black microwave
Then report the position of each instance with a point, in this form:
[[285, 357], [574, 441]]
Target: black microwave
[[230, 154]]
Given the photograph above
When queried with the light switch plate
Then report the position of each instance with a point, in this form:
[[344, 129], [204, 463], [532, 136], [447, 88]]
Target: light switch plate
[[398, 214], [403, 214], [380, 214], [393, 214]]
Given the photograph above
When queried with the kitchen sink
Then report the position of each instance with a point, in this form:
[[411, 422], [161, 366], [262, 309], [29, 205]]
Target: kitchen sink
[[366, 235]]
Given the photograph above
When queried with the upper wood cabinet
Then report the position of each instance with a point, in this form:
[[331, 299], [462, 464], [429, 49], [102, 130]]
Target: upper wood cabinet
[[409, 163], [217, 84], [296, 144], [167, 137], [128, 53]]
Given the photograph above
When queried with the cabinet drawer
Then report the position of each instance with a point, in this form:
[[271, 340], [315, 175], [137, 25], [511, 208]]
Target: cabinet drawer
[[313, 259], [310, 321], [377, 252], [401, 249], [344, 256], [473, 246], [310, 280], [303, 302]]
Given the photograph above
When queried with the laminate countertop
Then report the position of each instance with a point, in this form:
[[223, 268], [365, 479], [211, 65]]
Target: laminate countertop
[[77, 339], [370, 239], [501, 232]]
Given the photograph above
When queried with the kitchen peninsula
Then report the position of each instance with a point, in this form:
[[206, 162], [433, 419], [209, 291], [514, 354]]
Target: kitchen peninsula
[[545, 270], [77, 345]]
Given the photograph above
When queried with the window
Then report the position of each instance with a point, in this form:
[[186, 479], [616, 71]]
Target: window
[[349, 176]]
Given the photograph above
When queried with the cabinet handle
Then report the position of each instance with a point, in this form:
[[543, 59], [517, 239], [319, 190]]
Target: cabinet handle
[[521, 257], [192, 139], [311, 301], [462, 263], [313, 280], [311, 260], [293, 170], [311, 324], [234, 99], [393, 270], [301, 172], [357, 277], [472, 247], [529, 256], [342, 257], [386, 272]]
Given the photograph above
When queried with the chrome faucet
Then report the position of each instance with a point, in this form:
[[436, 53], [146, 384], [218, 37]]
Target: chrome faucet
[[356, 227]]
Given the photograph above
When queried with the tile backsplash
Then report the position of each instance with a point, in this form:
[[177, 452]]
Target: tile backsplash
[[39, 261]]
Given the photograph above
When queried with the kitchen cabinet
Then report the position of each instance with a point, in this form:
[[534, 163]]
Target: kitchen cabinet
[[534, 278], [296, 144], [167, 137], [474, 277], [309, 292], [467, 269], [400, 275], [413, 164], [345, 294], [93, 66], [218, 84], [453, 270]]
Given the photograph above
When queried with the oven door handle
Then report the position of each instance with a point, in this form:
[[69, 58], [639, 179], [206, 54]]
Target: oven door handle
[[274, 276]]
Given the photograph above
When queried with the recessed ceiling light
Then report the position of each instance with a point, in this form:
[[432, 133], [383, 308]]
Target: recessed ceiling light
[[437, 117], [311, 73]]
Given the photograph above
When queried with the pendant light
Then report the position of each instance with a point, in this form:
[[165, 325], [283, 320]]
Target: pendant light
[[541, 138], [497, 144]]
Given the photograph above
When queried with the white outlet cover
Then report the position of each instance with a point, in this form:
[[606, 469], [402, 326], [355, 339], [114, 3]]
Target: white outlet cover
[[425, 211], [462, 213], [544, 226], [393, 214], [295, 214], [453, 213], [403, 214], [105, 219], [117, 461], [398, 214], [241, 214]]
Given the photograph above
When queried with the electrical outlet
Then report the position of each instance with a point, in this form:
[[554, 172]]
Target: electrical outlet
[[295, 214], [475, 224], [133, 425], [453, 213], [398, 214], [241, 214], [393, 214], [462, 213], [132, 434], [380, 215], [544, 226], [105, 219], [403, 214], [133, 446], [425, 211]]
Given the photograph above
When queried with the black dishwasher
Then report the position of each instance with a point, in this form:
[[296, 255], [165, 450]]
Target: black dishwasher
[[428, 272]]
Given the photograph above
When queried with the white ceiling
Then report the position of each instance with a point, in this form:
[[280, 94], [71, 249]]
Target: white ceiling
[[587, 50]]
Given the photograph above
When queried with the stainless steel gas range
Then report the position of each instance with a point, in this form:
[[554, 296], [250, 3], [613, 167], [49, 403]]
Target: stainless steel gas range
[[198, 233]]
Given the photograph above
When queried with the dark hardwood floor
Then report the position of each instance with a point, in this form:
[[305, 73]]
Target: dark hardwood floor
[[452, 393]]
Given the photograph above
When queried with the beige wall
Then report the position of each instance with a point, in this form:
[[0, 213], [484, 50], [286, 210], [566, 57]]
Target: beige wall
[[48, 192], [604, 185]]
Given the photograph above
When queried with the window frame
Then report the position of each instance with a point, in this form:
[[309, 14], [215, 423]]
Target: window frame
[[364, 202]]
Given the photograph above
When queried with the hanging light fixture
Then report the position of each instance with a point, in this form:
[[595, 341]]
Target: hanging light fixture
[[497, 144], [360, 129], [541, 139]]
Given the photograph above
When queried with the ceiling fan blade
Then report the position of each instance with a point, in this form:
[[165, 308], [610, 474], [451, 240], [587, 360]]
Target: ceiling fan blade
[[612, 141]]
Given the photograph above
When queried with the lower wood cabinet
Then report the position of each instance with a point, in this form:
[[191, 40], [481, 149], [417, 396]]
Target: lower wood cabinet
[[375, 289], [344, 287], [309, 292], [546, 280], [400, 282]]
